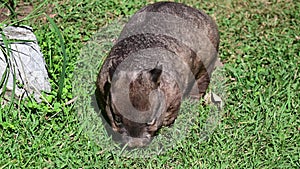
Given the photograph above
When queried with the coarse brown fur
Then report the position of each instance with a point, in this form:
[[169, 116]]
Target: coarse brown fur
[[158, 78]]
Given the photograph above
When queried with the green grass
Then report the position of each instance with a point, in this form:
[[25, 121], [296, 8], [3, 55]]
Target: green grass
[[260, 126]]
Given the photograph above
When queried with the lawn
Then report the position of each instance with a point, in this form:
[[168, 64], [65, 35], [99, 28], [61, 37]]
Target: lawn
[[259, 126]]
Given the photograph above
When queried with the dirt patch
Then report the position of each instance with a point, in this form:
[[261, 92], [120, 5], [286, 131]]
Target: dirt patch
[[22, 9]]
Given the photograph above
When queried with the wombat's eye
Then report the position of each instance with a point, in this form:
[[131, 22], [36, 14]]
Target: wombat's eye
[[118, 120]]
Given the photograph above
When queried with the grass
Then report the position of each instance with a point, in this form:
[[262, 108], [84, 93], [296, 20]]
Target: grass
[[260, 127]]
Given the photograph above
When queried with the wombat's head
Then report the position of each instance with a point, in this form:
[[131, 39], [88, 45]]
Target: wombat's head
[[136, 106]]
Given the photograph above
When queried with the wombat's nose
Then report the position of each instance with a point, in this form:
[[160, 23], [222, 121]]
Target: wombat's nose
[[136, 142]]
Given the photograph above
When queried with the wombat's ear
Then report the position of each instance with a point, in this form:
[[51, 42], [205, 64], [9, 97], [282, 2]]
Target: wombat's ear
[[155, 73]]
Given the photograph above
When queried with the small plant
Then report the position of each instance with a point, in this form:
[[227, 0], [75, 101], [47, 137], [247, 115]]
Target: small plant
[[63, 50]]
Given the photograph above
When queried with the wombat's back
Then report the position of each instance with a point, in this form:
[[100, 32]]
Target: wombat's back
[[195, 17], [191, 29]]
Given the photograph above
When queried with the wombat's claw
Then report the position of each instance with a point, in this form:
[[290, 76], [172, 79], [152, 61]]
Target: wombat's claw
[[212, 98], [218, 63]]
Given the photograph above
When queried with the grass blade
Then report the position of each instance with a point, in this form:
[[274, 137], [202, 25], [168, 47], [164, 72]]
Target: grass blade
[[63, 49], [7, 52], [4, 76]]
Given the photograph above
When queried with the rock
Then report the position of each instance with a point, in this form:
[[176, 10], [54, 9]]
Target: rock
[[24, 59]]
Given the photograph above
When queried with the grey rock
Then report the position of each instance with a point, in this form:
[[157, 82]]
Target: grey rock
[[24, 59]]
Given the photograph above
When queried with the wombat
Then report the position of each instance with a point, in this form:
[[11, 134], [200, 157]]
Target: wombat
[[165, 53]]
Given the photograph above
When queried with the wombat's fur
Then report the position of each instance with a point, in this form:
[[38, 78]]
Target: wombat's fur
[[155, 89]]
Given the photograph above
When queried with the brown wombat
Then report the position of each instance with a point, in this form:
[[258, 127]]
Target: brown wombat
[[165, 52]]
